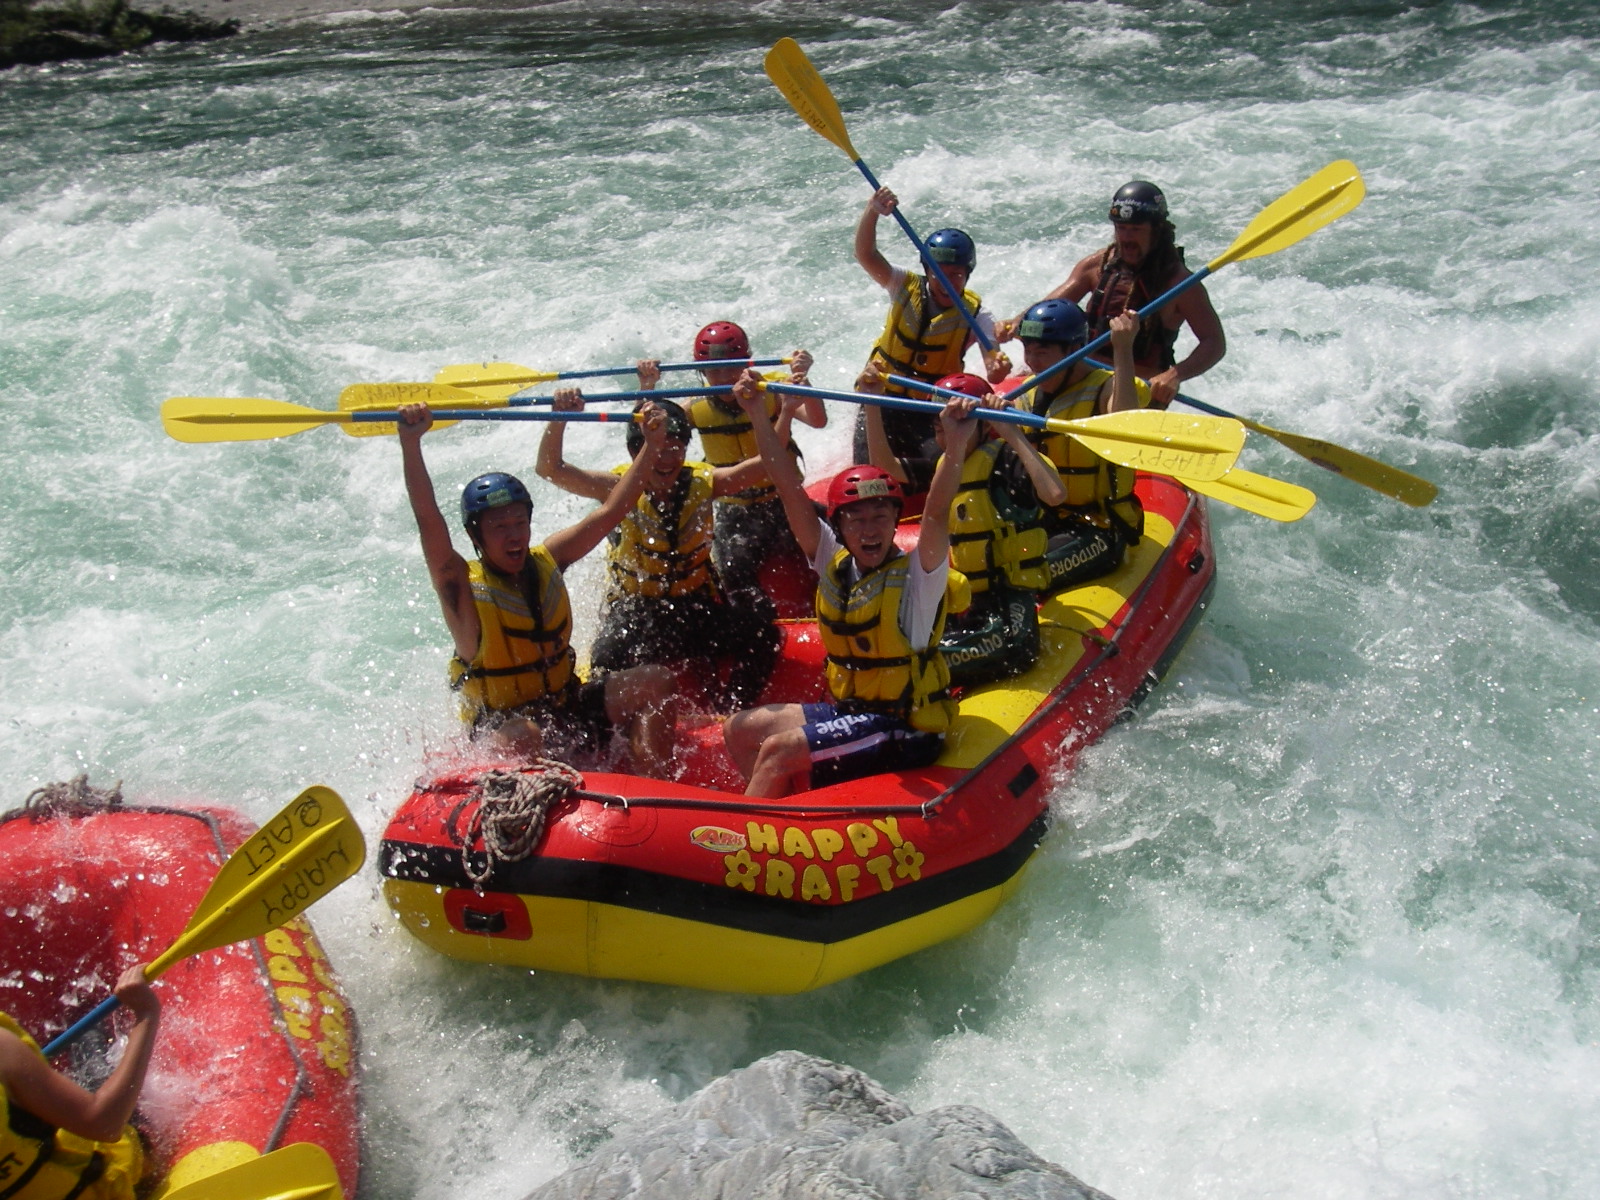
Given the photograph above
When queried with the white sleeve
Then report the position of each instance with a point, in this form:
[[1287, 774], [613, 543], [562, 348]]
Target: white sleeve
[[827, 547], [985, 320], [920, 605], [897, 280]]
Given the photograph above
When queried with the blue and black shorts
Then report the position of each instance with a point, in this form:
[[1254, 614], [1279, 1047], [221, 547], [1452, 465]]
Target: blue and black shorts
[[849, 745]]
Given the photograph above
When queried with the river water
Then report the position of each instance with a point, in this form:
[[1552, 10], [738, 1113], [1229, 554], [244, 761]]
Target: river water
[[1320, 922]]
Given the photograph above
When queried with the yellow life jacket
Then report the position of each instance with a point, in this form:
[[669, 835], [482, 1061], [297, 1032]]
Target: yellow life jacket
[[992, 540], [524, 640], [871, 664], [667, 553], [727, 439], [1099, 490], [918, 341], [40, 1162]]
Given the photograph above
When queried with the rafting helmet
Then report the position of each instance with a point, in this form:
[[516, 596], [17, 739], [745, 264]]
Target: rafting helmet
[[862, 482], [967, 385], [1058, 321], [952, 248], [678, 427], [720, 339], [1138, 203], [494, 490]]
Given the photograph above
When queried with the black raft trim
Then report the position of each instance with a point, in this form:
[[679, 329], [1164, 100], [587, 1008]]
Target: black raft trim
[[711, 904]]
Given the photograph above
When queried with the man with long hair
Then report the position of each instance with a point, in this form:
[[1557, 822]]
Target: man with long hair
[[1142, 262]]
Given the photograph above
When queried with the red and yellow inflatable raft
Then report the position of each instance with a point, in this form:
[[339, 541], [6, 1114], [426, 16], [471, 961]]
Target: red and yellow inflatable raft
[[257, 1044], [694, 884]]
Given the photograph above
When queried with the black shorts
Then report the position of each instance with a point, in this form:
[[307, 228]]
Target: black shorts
[[636, 630], [573, 723], [744, 537]]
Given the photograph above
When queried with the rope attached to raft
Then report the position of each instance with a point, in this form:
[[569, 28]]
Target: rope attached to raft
[[74, 798], [510, 814]]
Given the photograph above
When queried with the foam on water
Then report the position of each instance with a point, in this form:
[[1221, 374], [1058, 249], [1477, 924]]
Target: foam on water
[[1320, 920]]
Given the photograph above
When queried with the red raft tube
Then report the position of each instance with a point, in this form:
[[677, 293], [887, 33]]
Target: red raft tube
[[257, 1048], [694, 884]]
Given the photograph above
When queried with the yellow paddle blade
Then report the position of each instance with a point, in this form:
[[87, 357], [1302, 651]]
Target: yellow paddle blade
[[294, 860], [302, 1171], [1358, 468], [390, 396], [1325, 197], [478, 375], [1163, 443], [792, 74], [228, 419], [1275, 499], [493, 381]]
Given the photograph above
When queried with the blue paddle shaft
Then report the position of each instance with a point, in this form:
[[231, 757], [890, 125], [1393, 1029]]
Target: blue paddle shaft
[[596, 372], [722, 389], [82, 1026], [367, 415], [922, 251], [1083, 352], [1009, 416]]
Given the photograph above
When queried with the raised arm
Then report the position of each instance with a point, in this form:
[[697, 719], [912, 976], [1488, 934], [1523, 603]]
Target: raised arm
[[811, 409], [99, 1115], [553, 466], [881, 204], [879, 452], [1046, 480], [568, 545], [785, 476], [1124, 383], [933, 541], [446, 568]]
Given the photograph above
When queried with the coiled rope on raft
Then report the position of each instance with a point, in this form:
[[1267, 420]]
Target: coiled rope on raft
[[510, 816], [74, 798]]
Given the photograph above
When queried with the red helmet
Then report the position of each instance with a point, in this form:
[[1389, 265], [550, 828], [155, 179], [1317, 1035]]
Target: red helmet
[[970, 385], [862, 483], [720, 339]]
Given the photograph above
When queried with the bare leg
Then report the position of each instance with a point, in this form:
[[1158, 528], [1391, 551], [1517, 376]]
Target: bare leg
[[783, 767], [748, 734], [521, 737], [643, 702]]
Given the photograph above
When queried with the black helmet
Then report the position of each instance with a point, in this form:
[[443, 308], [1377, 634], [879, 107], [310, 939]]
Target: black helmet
[[1138, 203], [678, 426], [952, 248]]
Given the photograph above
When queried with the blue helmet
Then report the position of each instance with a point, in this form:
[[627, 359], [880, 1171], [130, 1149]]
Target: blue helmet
[[494, 490], [952, 248], [1058, 321]]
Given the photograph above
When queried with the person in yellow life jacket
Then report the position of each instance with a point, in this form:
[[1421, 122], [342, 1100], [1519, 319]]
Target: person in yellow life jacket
[[880, 611], [1142, 262], [924, 336], [750, 527], [997, 539], [58, 1140], [510, 618], [664, 602], [1101, 517]]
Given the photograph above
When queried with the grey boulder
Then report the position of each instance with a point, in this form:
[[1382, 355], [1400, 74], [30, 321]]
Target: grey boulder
[[793, 1127]]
